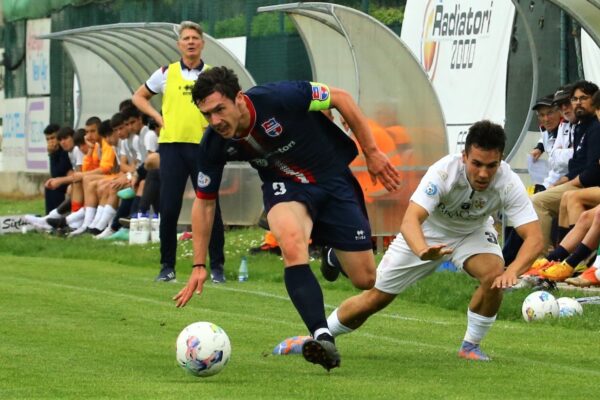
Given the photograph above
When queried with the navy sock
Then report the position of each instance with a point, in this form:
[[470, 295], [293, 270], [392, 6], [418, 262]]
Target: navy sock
[[562, 232], [558, 254], [581, 253], [306, 295]]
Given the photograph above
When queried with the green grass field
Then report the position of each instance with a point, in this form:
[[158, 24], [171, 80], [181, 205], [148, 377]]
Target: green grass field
[[81, 318]]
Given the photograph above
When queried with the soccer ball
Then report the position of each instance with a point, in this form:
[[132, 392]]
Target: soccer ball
[[539, 305], [569, 307], [203, 349]]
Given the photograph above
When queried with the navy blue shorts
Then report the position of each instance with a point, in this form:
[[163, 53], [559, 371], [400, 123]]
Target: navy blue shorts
[[337, 208]]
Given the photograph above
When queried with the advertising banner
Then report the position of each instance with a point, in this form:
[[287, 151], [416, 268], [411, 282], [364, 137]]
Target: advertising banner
[[38, 57], [38, 115], [590, 55], [463, 47], [13, 133]]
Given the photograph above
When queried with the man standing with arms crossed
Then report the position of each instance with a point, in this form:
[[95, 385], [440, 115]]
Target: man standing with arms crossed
[[182, 126]]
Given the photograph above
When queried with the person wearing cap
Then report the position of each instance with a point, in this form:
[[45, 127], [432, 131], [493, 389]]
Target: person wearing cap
[[582, 167], [562, 151], [549, 119]]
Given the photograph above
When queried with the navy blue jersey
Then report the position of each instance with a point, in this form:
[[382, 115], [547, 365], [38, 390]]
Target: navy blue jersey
[[287, 142]]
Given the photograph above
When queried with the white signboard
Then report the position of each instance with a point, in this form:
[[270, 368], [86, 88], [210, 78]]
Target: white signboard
[[463, 47], [38, 115], [13, 142], [590, 55], [12, 224], [38, 57]]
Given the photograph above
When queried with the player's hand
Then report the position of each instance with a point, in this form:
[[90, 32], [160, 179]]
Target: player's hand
[[507, 280], [380, 168], [435, 252], [195, 284]]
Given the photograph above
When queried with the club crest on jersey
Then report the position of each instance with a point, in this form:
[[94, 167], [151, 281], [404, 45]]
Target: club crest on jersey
[[320, 92], [479, 203], [272, 127], [431, 189], [203, 180]]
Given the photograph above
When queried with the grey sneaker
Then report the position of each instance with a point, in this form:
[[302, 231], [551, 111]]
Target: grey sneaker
[[321, 352], [167, 274], [328, 271], [217, 276]]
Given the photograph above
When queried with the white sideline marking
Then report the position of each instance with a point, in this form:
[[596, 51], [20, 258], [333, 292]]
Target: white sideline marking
[[447, 349]]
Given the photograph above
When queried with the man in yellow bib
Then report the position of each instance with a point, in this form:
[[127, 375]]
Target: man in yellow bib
[[182, 127]]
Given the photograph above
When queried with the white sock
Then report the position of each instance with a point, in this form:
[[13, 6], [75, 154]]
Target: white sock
[[90, 213], [107, 216], [477, 327], [335, 326], [321, 331], [97, 217], [76, 216], [53, 214]]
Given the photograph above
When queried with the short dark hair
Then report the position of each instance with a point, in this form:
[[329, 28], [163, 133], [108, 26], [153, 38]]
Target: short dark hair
[[79, 137], [586, 87], [105, 129], [596, 100], [486, 135], [93, 121], [65, 132], [51, 128], [218, 79], [131, 112], [116, 120], [124, 104]]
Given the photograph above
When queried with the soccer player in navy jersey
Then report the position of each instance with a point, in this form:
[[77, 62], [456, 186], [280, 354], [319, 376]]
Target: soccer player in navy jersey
[[302, 158]]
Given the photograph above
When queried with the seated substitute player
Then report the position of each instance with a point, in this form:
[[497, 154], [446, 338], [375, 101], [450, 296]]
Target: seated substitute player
[[302, 158], [449, 217]]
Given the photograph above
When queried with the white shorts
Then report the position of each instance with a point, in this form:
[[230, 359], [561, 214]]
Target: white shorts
[[400, 267]]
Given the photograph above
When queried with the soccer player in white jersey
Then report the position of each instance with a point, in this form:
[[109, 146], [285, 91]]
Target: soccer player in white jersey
[[449, 218]]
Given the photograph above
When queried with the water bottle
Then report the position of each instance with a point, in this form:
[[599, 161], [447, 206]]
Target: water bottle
[[243, 272], [144, 227], [155, 231], [134, 228]]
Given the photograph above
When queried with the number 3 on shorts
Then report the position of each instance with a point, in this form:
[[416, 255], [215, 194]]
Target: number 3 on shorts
[[279, 188], [491, 238]]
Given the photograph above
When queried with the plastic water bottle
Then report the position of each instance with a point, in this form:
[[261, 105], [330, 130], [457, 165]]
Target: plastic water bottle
[[155, 231], [134, 228], [144, 227], [243, 272]]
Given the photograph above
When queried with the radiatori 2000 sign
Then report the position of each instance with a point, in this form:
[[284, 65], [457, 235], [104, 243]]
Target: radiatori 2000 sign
[[463, 47]]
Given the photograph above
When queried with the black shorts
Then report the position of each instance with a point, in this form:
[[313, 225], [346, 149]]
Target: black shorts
[[336, 207]]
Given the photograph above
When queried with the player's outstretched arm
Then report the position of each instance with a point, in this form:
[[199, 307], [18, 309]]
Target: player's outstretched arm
[[379, 166], [203, 214], [531, 233], [412, 232]]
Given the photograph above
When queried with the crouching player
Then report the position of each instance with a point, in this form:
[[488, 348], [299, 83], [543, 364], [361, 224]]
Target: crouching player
[[449, 217]]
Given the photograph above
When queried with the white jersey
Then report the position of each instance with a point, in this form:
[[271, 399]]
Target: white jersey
[[560, 154], [454, 207], [130, 148], [151, 141], [76, 157]]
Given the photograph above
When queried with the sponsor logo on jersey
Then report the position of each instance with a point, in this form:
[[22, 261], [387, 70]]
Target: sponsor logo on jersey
[[320, 92], [203, 180], [431, 189], [360, 235], [272, 127], [260, 162]]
